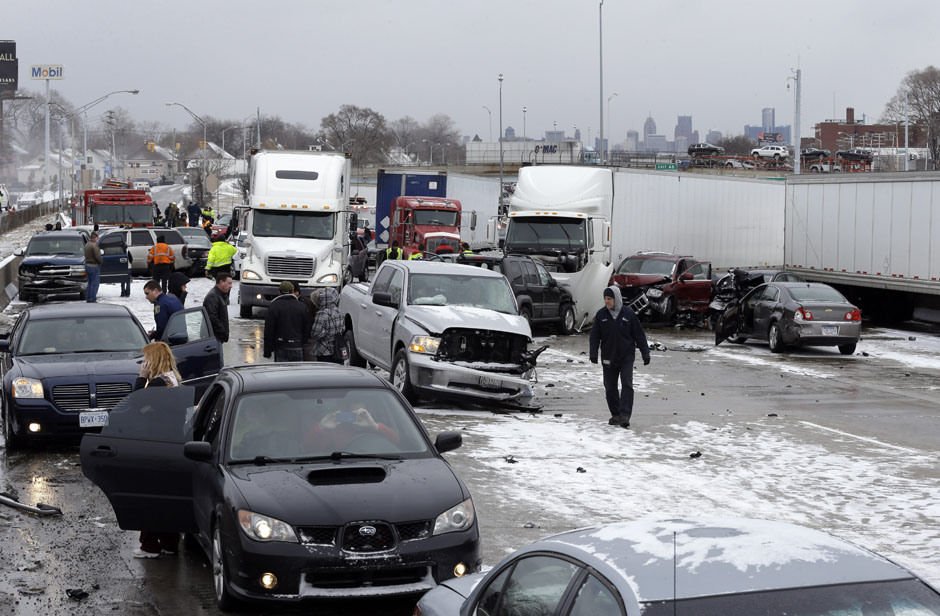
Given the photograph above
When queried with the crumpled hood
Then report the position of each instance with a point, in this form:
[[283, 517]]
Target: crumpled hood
[[437, 319], [53, 260], [80, 367], [411, 490], [638, 280]]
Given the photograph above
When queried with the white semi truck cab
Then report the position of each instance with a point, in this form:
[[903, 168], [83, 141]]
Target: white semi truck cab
[[561, 216], [296, 227]]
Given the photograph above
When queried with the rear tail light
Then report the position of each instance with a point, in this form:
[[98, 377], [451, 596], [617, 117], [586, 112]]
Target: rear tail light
[[802, 314], [853, 315]]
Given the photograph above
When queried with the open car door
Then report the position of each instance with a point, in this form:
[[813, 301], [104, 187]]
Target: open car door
[[198, 353], [137, 460]]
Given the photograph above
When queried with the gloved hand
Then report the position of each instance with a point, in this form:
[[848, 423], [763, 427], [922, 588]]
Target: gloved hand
[[594, 360], [646, 360]]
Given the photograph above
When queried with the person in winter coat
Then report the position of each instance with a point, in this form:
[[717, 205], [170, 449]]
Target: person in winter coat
[[220, 258], [158, 369], [327, 323], [193, 210], [216, 304], [164, 305], [177, 286], [617, 333], [287, 325]]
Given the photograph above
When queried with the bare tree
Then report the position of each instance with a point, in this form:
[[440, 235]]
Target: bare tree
[[739, 145], [358, 130], [919, 95]]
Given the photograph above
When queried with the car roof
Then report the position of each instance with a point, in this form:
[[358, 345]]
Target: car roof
[[307, 375], [59, 233], [76, 309], [702, 558]]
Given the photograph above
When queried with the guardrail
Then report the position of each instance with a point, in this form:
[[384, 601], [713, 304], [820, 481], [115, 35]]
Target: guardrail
[[9, 277], [12, 220]]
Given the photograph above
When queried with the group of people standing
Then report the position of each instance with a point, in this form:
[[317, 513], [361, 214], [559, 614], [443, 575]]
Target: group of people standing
[[304, 330]]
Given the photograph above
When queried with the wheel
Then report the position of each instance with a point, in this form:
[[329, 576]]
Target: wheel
[[244, 311], [401, 379], [526, 313], [355, 359], [738, 339], [82, 295], [669, 309], [223, 598], [775, 338], [847, 349], [567, 321], [13, 442], [776, 158]]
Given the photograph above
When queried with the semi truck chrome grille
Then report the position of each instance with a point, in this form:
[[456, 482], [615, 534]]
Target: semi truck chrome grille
[[290, 267]]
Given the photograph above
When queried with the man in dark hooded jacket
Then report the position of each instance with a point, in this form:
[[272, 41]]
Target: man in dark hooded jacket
[[618, 333], [287, 325]]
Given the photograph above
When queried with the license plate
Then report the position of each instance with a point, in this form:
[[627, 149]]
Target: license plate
[[490, 382], [830, 330], [92, 419]]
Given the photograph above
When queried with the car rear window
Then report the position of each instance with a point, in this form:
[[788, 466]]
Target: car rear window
[[172, 237], [816, 293]]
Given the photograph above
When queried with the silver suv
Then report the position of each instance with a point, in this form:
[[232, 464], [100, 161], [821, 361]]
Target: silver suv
[[771, 151]]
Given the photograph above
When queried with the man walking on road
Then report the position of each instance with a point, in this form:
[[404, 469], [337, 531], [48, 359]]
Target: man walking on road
[[193, 210], [287, 325], [160, 257], [216, 304], [618, 333], [92, 268], [163, 307]]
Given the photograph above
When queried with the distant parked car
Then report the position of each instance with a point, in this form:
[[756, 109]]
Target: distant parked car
[[814, 153], [735, 163], [705, 149], [793, 314], [777, 152], [691, 568], [857, 154], [196, 249], [220, 228]]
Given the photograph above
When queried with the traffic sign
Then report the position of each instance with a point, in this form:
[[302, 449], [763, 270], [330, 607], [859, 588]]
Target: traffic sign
[[666, 166]]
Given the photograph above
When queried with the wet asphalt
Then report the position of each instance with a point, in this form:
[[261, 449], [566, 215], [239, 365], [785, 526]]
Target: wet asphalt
[[41, 558]]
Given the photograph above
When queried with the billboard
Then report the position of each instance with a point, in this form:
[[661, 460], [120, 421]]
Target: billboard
[[9, 66]]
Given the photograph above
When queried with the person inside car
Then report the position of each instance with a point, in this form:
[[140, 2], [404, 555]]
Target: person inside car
[[341, 428]]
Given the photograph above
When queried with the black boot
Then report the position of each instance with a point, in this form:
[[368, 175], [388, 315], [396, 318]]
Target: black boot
[[614, 420]]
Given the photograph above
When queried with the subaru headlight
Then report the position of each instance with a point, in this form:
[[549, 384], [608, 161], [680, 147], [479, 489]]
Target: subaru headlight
[[250, 275], [456, 518], [264, 528], [27, 388], [424, 344], [328, 279]]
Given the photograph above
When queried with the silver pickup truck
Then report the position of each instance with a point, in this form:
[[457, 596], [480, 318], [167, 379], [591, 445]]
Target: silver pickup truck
[[442, 330]]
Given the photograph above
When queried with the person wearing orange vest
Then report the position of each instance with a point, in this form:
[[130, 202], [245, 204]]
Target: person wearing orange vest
[[160, 259]]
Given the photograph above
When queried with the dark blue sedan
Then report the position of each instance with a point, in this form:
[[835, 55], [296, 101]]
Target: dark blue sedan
[[65, 366]]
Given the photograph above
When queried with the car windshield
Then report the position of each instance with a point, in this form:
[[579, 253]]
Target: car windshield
[[81, 335], [317, 423], [60, 245], [478, 291], [816, 293], [315, 225], [635, 265], [436, 217], [897, 598], [532, 235]]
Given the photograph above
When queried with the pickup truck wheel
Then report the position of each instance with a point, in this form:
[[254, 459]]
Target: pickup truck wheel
[[244, 311], [526, 313], [401, 379], [355, 359], [567, 321], [847, 349]]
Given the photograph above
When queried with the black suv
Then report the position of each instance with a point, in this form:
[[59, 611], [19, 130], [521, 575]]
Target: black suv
[[53, 266], [541, 300], [705, 149]]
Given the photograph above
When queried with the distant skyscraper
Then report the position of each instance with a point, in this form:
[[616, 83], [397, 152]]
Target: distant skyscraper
[[649, 127], [768, 123], [510, 133], [684, 129], [713, 136], [633, 141]]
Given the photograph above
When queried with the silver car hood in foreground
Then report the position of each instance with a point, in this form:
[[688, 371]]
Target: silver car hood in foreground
[[436, 319]]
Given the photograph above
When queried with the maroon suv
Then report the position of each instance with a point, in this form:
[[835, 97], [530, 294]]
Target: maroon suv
[[673, 284]]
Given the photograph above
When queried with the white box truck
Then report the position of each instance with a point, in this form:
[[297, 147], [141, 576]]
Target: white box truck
[[296, 227]]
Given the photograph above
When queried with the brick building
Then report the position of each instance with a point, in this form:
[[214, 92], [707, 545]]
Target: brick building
[[834, 135]]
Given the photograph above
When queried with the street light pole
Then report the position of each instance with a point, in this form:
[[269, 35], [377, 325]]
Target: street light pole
[[523, 123], [490, 113], [500, 138], [607, 148], [84, 111], [797, 96], [205, 146], [600, 42]]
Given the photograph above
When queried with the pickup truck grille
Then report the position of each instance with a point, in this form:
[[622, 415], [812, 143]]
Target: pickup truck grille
[[290, 267], [482, 345], [78, 397]]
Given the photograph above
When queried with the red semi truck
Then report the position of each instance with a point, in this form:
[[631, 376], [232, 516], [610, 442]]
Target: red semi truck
[[432, 221], [115, 207]]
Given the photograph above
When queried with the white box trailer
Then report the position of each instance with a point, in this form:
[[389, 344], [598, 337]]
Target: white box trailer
[[479, 200], [870, 231], [729, 221]]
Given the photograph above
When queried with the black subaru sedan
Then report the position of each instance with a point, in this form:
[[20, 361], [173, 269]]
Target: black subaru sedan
[[299, 481], [65, 366]]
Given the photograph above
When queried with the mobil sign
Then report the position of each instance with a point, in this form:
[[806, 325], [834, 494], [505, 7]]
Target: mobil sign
[[46, 71]]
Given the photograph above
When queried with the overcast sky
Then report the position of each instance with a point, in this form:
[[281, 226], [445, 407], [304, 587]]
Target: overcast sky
[[719, 61]]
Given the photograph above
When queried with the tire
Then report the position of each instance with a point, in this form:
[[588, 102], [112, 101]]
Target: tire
[[737, 339], [13, 442], [82, 295], [775, 339], [567, 321], [223, 598], [669, 309], [847, 349], [244, 311], [401, 379], [526, 313], [355, 359]]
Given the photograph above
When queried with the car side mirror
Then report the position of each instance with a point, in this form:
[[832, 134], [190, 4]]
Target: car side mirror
[[384, 299], [552, 282], [177, 338], [448, 441], [200, 451], [19, 252]]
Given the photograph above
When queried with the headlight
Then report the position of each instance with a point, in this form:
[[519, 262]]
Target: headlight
[[456, 518], [250, 275], [424, 344], [263, 528], [27, 388], [654, 292], [328, 279]]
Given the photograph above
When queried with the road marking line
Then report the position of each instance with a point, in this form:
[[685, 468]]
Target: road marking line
[[866, 439]]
